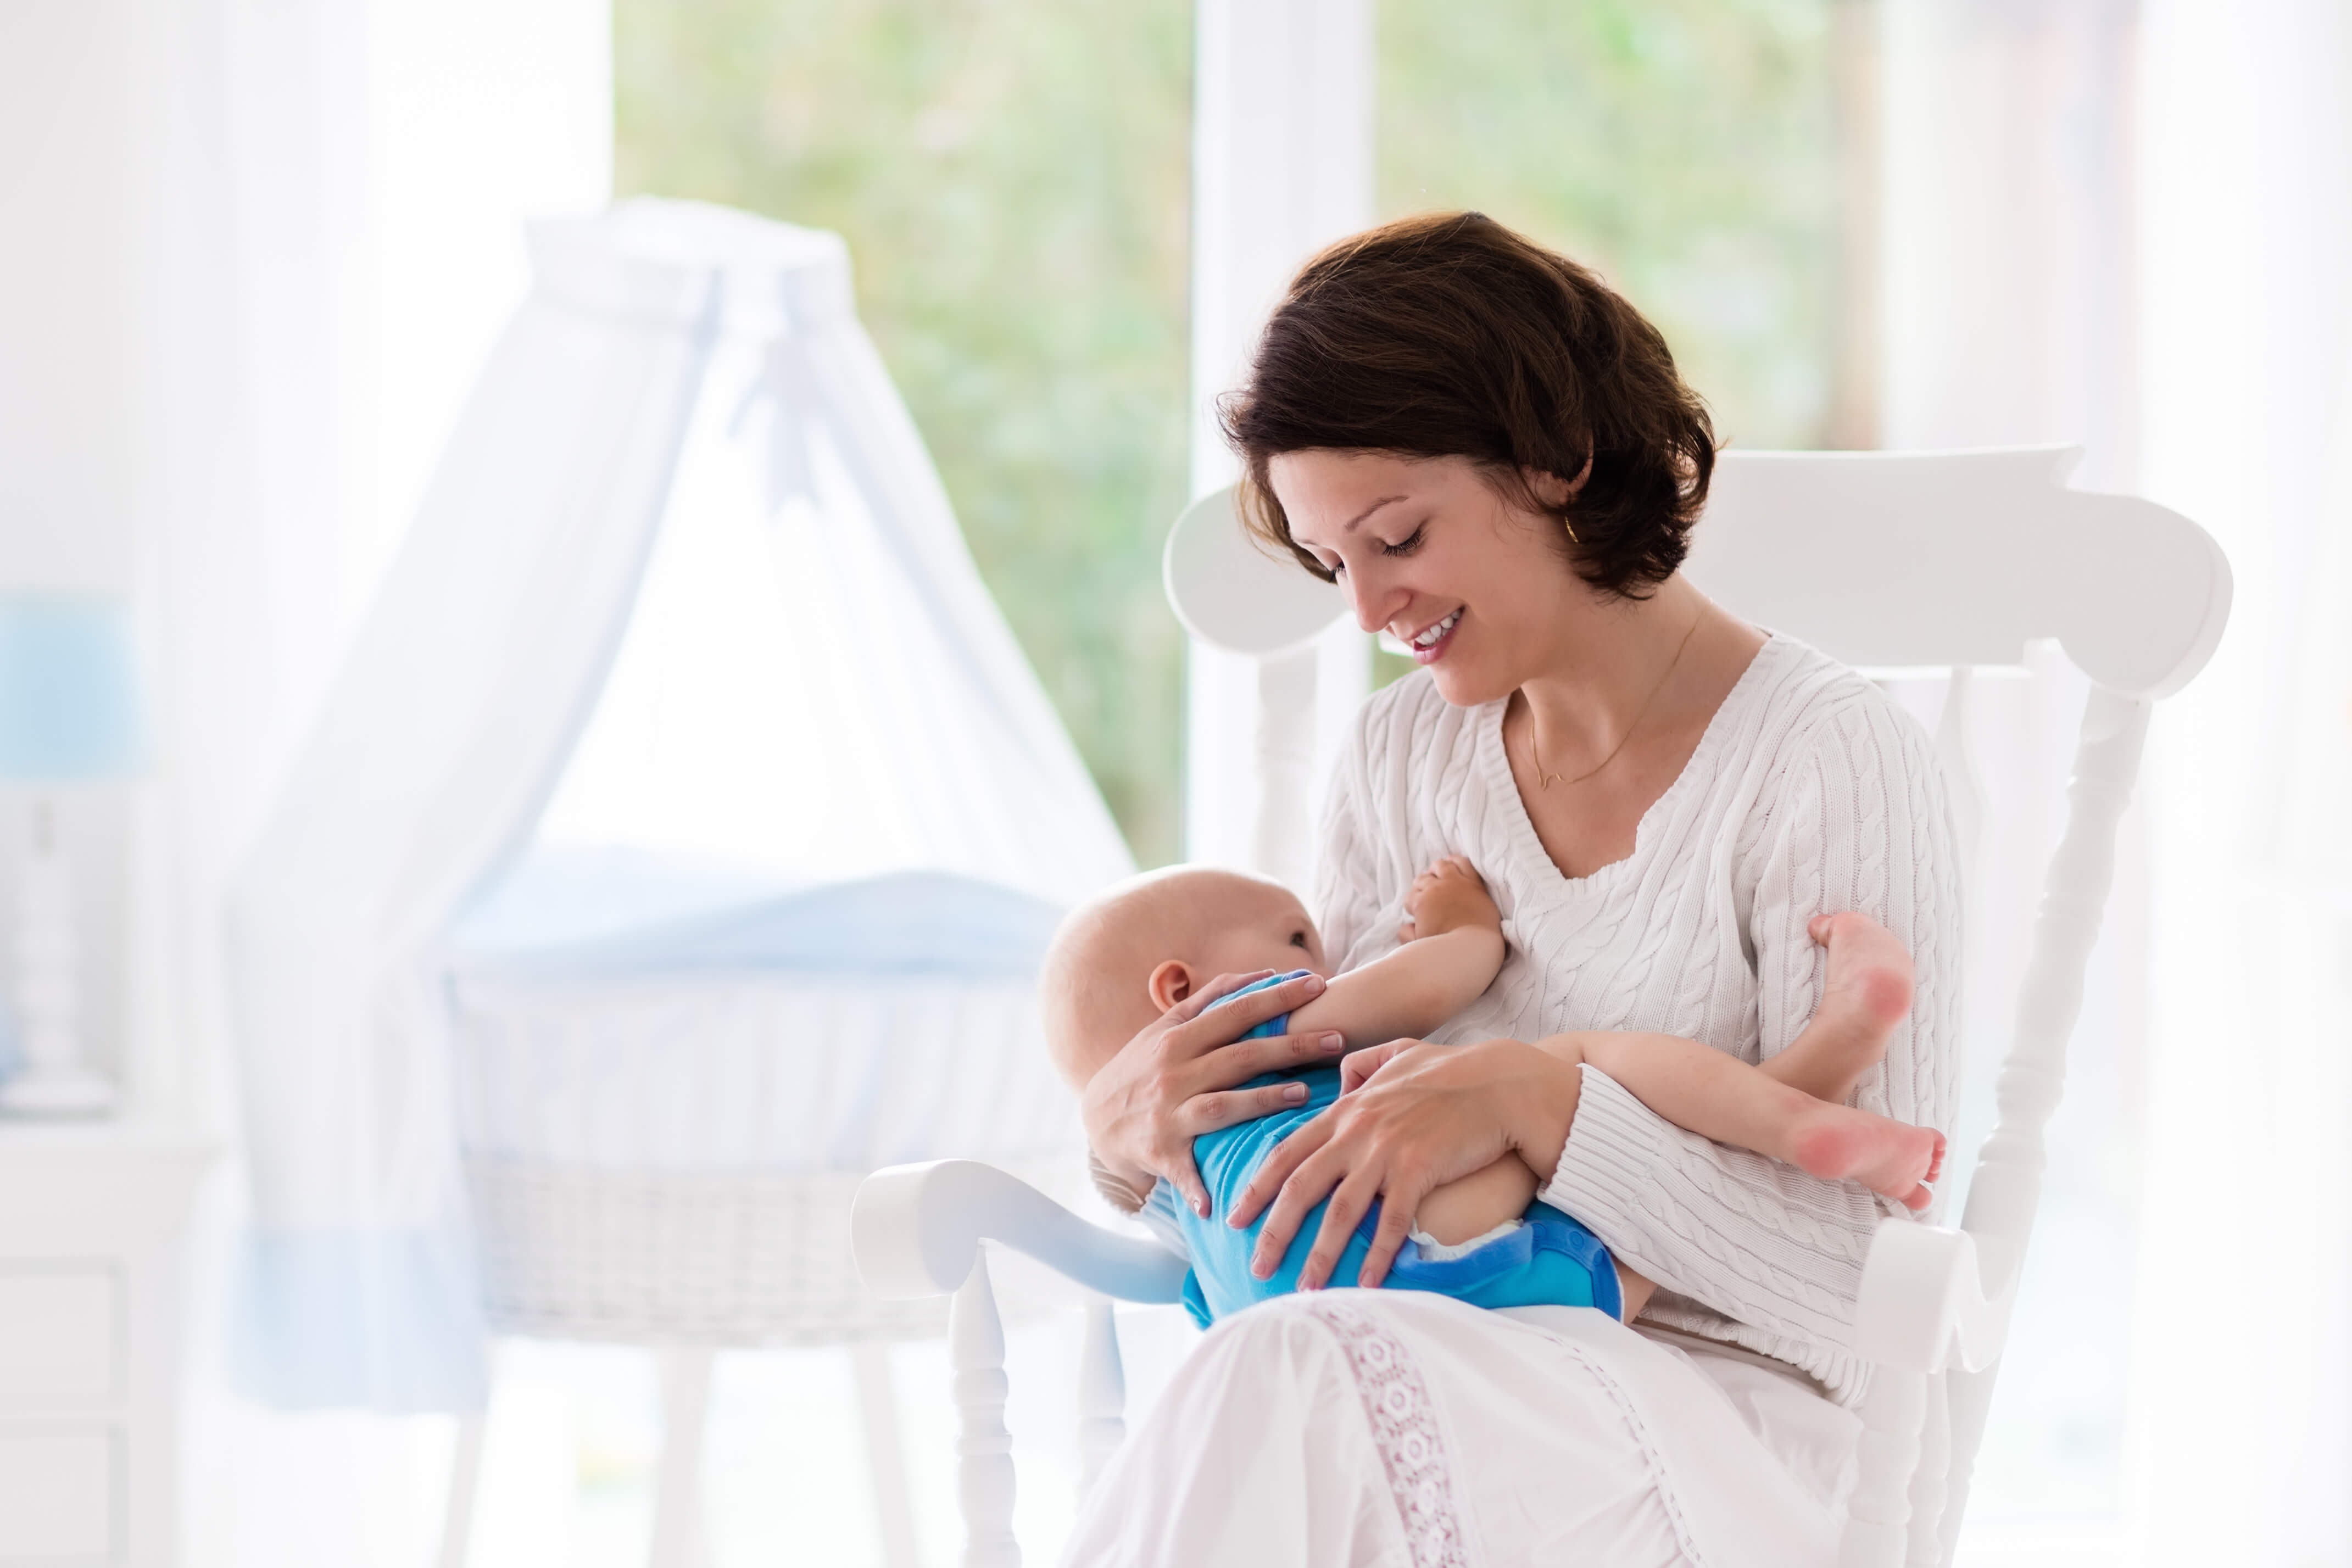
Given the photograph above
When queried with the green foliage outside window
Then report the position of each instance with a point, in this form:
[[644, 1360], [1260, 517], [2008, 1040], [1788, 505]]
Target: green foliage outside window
[[1684, 147], [1012, 176]]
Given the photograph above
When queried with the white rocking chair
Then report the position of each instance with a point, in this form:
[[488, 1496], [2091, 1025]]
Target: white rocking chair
[[1888, 562]]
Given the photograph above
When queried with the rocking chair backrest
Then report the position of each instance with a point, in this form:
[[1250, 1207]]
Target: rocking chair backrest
[[1935, 560], [1905, 562], [1888, 560]]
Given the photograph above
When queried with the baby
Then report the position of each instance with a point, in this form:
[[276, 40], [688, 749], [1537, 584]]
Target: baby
[[1123, 960]]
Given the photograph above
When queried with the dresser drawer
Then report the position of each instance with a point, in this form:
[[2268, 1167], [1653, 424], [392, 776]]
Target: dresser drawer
[[58, 1495], [60, 1335]]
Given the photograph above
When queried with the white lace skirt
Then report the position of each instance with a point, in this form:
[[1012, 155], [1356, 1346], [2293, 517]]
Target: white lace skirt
[[1348, 1429]]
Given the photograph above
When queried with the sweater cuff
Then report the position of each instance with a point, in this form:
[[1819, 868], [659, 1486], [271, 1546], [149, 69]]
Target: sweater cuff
[[1600, 1167], [1760, 1243], [1115, 1192]]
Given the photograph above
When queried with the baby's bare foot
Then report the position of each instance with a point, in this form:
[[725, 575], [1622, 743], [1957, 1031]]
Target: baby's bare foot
[[1838, 1143], [1869, 974], [1867, 993]]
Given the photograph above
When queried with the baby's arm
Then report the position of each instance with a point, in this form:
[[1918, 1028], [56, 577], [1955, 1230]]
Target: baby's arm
[[1454, 946]]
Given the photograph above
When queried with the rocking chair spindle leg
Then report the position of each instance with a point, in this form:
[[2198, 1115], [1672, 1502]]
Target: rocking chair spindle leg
[[983, 1447], [678, 1540], [1877, 1532], [2007, 1187], [1102, 1396], [1963, 779], [1971, 1397], [465, 1487], [885, 1454], [1928, 1485]]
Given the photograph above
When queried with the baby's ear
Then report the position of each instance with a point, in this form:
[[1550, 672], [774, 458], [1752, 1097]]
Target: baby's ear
[[1171, 983]]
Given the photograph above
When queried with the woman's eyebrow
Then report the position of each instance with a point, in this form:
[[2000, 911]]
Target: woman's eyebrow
[[1368, 511]]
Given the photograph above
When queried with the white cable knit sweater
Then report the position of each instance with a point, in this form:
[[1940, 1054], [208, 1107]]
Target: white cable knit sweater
[[1810, 793]]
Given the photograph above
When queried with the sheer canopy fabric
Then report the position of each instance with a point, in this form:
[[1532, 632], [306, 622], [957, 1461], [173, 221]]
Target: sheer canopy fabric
[[684, 382]]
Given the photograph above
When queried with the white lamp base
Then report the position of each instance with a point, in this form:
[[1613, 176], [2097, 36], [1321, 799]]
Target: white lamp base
[[57, 1091], [52, 1081]]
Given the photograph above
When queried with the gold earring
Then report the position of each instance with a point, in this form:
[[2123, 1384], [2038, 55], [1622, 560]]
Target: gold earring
[[1571, 533]]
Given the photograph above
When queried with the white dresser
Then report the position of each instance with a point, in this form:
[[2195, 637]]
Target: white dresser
[[93, 1220]]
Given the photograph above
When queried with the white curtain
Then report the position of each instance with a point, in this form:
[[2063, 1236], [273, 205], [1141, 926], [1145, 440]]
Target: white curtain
[[284, 167], [2245, 1439], [2009, 319], [2127, 223], [675, 364], [454, 707]]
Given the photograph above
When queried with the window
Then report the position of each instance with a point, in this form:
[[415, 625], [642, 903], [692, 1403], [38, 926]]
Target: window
[[1013, 180], [1687, 149]]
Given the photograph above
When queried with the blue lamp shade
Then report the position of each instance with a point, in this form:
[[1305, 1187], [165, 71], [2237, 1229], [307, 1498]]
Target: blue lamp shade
[[68, 697]]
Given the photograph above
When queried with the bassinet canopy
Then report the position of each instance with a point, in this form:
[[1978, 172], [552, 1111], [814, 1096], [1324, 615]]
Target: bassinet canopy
[[683, 650]]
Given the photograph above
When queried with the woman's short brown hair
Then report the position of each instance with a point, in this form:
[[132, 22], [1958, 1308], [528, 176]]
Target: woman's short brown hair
[[1449, 336]]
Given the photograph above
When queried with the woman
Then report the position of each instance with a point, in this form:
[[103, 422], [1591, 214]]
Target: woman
[[1495, 457]]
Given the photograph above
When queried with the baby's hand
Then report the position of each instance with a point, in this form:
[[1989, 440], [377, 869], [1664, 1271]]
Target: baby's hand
[[1447, 897], [1358, 1066]]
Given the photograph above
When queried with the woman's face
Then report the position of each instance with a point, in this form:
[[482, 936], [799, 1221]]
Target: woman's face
[[1425, 549]]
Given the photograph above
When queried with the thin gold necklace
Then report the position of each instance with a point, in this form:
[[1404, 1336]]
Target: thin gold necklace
[[1546, 780]]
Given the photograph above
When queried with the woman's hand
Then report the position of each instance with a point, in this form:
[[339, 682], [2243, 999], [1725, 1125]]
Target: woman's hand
[[1175, 1081], [1422, 1117]]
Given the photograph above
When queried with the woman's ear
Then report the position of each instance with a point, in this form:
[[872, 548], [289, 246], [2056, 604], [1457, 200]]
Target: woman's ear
[[1171, 983], [1551, 489]]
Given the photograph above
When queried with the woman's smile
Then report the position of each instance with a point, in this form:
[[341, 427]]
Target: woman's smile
[[1429, 644]]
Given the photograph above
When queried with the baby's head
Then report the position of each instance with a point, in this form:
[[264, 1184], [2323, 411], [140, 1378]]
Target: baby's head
[[1124, 958]]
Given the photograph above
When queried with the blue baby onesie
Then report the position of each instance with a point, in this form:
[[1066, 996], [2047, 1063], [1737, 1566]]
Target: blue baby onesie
[[1548, 1260]]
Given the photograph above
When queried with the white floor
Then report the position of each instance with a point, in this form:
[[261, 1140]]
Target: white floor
[[572, 1434], [574, 1430]]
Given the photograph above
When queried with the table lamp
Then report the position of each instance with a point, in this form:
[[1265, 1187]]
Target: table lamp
[[69, 716]]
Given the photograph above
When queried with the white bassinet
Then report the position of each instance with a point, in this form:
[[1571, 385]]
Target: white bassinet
[[663, 1124]]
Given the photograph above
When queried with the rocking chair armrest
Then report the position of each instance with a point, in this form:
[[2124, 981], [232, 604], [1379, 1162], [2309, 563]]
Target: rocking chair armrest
[[916, 1229], [1923, 1305]]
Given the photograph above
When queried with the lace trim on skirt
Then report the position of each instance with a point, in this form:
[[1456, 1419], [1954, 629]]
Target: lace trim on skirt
[[1405, 1429]]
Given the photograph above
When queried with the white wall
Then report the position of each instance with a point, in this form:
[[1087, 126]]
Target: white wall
[[73, 232], [69, 223]]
